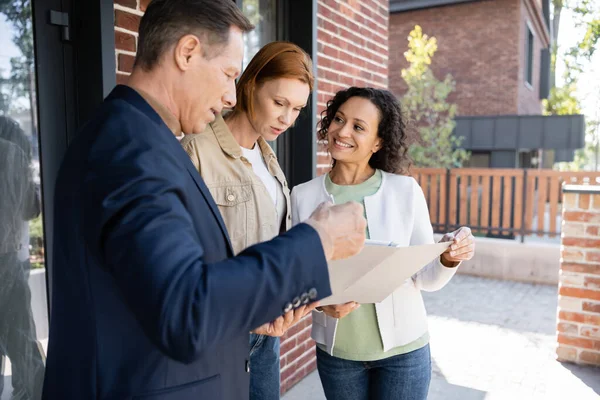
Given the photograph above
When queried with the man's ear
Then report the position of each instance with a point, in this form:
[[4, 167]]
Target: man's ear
[[187, 47]]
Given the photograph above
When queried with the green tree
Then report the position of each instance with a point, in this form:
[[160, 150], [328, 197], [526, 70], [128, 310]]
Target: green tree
[[563, 99], [587, 15], [428, 109], [587, 158]]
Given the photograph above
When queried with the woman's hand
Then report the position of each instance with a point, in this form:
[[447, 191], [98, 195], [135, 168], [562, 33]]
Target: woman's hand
[[339, 310], [280, 326], [462, 249]]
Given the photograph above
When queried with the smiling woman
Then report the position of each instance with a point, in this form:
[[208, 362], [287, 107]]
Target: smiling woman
[[376, 351], [243, 175]]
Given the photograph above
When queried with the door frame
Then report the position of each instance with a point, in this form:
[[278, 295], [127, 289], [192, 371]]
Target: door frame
[[75, 70]]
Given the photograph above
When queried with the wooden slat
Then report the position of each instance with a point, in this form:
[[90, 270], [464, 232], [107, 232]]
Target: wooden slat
[[518, 221], [425, 186], [496, 197], [473, 207], [554, 198], [530, 202], [464, 200], [419, 178], [433, 198], [443, 198], [485, 202], [452, 200], [507, 191], [541, 201]]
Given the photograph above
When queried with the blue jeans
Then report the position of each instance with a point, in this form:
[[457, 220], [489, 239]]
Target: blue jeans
[[402, 377], [264, 367]]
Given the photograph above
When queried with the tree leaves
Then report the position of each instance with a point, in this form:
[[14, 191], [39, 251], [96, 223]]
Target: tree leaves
[[428, 109]]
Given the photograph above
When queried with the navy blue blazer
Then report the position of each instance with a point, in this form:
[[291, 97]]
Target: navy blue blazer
[[148, 301]]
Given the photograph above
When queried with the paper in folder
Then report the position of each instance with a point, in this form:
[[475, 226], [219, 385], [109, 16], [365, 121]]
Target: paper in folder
[[377, 271]]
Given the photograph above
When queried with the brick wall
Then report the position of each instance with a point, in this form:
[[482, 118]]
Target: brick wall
[[578, 326], [127, 21], [481, 44], [352, 38], [529, 95]]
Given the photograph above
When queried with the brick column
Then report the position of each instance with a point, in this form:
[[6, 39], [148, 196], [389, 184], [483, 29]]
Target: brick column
[[352, 37], [578, 325], [128, 14], [353, 50]]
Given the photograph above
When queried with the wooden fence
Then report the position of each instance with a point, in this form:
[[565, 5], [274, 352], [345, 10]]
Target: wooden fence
[[497, 202]]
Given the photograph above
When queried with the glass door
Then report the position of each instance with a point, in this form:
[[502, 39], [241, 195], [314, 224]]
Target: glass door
[[23, 305], [263, 15]]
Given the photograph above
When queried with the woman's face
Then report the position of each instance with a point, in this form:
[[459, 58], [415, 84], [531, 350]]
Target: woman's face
[[352, 134], [277, 104]]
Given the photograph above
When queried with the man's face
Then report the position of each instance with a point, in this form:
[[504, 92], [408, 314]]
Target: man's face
[[210, 83]]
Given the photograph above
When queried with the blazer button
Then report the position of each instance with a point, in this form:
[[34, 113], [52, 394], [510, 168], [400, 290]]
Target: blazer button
[[288, 307], [296, 302], [247, 365], [230, 197], [312, 293], [304, 298]]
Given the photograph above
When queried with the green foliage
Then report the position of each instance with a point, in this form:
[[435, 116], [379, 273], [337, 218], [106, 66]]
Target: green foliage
[[35, 228], [428, 109], [587, 158], [562, 101]]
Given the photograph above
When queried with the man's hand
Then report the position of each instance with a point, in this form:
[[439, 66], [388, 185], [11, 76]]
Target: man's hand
[[341, 229], [280, 326], [339, 310]]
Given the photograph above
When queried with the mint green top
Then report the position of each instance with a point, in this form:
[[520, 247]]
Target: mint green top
[[357, 336]]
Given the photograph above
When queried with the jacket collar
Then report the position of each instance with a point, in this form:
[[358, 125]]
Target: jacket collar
[[231, 147], [321, 180], [128, 94], [148, 105], [163, 112]]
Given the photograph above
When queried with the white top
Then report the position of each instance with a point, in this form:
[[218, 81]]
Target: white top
[[396, 212], [259, 166]]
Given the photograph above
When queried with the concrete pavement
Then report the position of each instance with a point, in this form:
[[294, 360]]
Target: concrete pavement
[[492, 340]]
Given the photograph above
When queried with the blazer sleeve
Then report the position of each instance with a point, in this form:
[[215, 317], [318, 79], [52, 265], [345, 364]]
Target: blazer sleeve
[[434, 275], [137, 224]]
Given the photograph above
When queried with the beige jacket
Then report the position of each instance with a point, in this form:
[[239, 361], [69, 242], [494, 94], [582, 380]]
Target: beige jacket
[[245, 204]]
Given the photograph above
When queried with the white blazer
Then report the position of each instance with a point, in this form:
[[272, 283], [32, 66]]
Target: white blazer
[[396, 212]]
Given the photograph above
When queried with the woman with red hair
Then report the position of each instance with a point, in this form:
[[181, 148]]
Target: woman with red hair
[[245, 179]]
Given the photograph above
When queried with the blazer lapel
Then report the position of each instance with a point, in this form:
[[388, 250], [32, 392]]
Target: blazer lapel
[[130, 95]]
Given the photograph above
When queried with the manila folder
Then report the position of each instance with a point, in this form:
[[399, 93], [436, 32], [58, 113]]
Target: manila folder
[[377, 271]]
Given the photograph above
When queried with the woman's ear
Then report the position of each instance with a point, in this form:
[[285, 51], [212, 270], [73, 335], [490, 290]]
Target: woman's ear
[[377, 146]]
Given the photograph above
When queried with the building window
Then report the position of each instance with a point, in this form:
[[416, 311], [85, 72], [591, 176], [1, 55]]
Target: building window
[[529, 55], [263, 14]]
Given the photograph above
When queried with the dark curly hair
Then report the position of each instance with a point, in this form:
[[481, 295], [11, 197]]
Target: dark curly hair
[[392, 129]]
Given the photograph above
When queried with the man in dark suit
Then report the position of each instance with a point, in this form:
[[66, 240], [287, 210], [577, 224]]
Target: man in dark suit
[[148, 301]]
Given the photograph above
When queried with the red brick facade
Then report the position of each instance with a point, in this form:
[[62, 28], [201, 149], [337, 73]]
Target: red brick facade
[[352, 50], [352, 37], [482, 45], [578, 326]]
